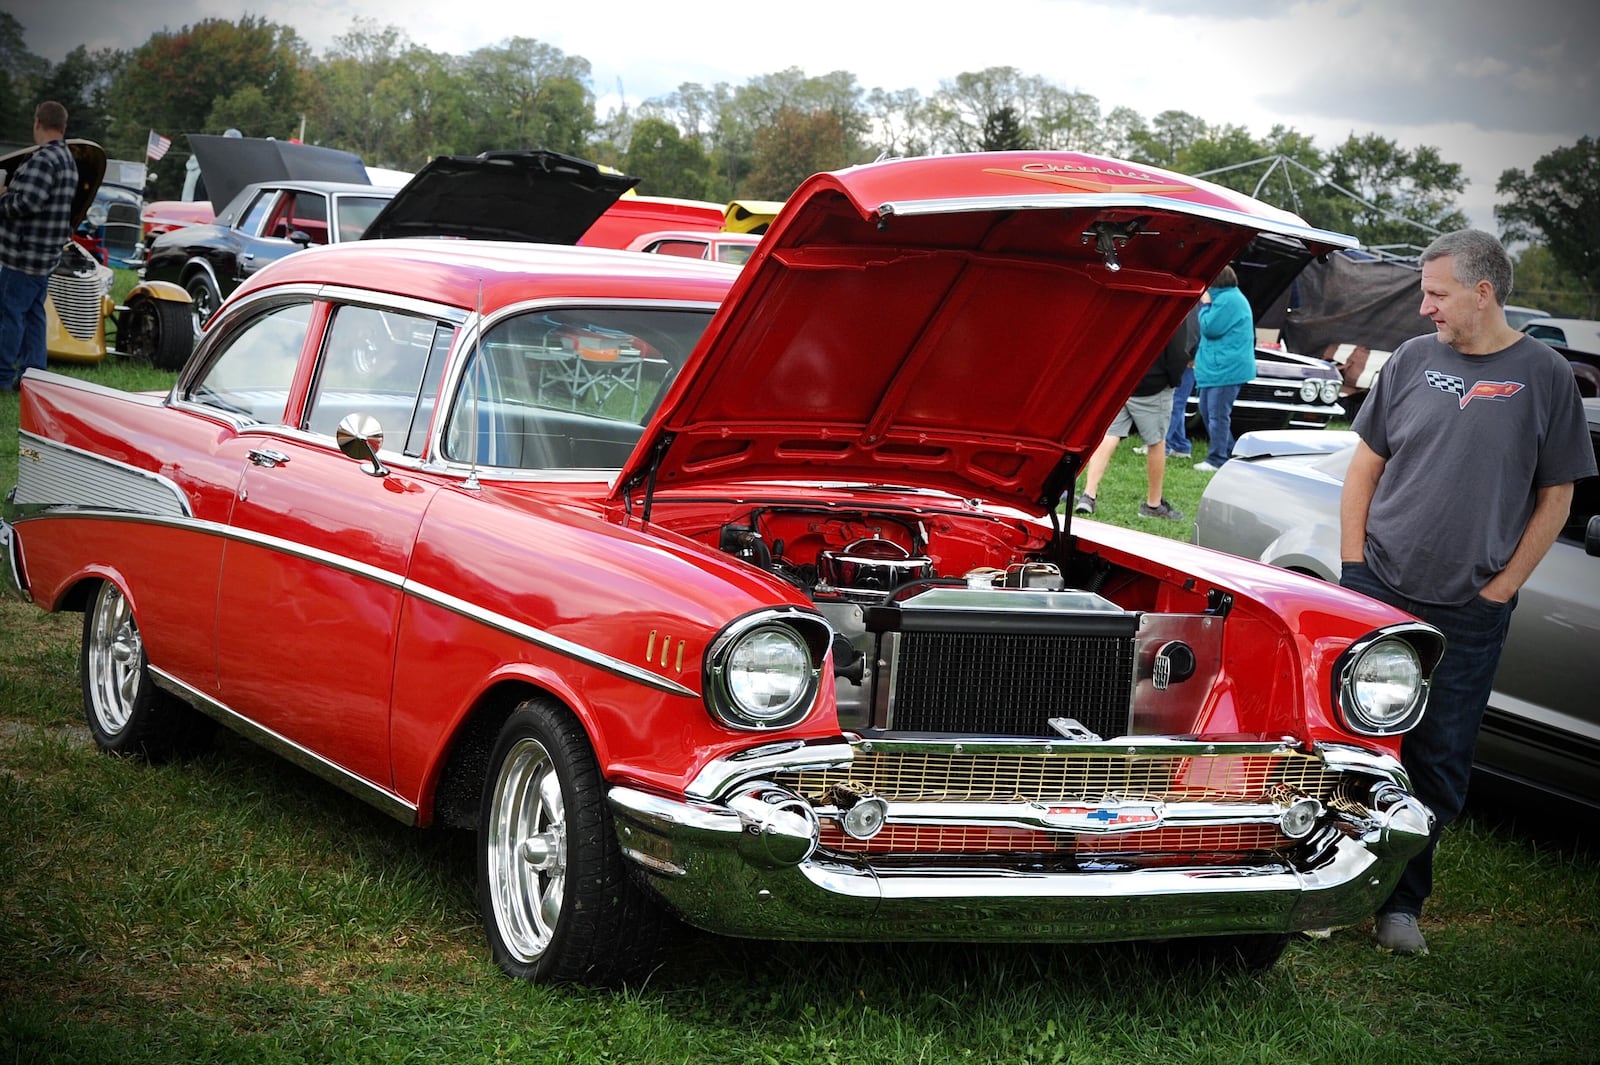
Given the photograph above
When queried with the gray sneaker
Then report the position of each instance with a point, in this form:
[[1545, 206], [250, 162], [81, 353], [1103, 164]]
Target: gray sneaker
[[1398, 933], [1085, 505], [1165, 510]]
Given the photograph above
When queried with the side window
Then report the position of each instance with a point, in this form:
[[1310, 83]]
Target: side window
[[567, 389], [687, 249], [373, 361], [306, 212], [252, 374], [256, 216], [1550, 333]]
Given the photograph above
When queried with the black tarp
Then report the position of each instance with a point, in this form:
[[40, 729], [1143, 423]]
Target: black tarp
[[1353, 298]]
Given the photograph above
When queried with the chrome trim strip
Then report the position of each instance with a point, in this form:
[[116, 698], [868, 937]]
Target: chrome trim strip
[[456, 316], [337, 775], [1101, 200], [521, 630], [390, 579], [54, 475], [720, 775], [1156, 746], [1042, 817]]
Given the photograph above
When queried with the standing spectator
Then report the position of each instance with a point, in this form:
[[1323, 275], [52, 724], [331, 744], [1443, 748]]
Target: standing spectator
[[1469, 445], [1224, 361], [1177, 428], [1148, 409], [35, 224]]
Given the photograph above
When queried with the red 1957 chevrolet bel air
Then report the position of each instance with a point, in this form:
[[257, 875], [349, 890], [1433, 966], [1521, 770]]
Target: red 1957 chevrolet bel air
[[742, 598]]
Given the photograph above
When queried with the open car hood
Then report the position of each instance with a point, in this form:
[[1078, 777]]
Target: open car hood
[[539, 196], [965, 323], [91, 160], [228, 164]]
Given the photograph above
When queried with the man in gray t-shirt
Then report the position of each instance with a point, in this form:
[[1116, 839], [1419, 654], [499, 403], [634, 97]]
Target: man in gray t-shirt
[[1470, 444]]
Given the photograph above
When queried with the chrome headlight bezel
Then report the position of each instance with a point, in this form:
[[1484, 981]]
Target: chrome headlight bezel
[[1310, 389], [1413, 647], [1329, 391], [807, 635]]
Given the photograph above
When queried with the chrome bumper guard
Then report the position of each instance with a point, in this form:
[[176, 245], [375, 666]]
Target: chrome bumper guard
[[748, 864]]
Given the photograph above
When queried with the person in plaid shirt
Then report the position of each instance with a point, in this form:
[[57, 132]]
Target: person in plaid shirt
[[35, 224]]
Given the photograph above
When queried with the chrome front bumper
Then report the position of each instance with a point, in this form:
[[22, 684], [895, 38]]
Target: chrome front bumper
[[750, 866]]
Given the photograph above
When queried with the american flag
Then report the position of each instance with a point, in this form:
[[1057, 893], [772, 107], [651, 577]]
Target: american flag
[[157, 146]]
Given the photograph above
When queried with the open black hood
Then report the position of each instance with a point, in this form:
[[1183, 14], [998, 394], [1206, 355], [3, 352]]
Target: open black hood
[[228, 164], [538, 196], [1266, 270]]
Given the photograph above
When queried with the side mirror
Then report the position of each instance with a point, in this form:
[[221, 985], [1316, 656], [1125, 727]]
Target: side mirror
[[301, 237], [360, 436], [1591, 536]]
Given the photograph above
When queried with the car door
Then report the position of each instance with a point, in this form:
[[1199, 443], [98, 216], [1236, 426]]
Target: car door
[[311, 585]]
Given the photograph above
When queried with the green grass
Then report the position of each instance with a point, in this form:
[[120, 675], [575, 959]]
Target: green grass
[[232, 908]]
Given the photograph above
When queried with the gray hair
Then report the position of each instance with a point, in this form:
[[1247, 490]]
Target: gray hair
[[1474, 256]]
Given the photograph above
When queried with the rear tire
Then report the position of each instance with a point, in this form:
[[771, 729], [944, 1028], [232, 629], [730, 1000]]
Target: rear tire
[[159, 332], [557, 899], [127, 714]]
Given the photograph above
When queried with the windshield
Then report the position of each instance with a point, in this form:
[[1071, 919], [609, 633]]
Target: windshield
[[569, 388]]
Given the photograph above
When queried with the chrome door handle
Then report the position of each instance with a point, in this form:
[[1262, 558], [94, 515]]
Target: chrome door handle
[[263, 456]]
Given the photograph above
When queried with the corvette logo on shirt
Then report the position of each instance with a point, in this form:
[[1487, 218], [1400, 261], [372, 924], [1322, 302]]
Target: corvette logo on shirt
[[1482, 390]]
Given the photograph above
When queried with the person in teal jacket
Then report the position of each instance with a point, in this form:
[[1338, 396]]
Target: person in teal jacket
[[1224, 361]]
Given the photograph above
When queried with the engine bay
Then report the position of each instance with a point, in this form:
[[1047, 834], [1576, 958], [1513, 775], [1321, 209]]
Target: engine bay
[[949, 622]]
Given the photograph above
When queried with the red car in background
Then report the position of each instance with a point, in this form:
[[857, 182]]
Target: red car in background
[[698, 244], [742, 598]]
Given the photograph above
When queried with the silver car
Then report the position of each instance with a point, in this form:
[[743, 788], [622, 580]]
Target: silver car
[[1278, 501]]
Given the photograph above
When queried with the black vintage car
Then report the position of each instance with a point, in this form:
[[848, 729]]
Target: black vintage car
[[261, 224]]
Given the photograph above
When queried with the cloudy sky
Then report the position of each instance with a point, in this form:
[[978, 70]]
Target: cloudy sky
[[1491, 84]]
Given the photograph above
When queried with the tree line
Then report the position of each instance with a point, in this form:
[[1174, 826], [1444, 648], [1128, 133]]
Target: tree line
[[397, 104]]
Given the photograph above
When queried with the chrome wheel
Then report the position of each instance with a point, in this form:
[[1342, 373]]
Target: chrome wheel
[[203, 301], [526, 850], [113, 661]]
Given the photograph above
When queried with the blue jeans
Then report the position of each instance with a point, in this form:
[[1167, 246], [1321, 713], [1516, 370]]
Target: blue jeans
[[1177, 432], [1216, 409], [1438, 752], [21, 323]]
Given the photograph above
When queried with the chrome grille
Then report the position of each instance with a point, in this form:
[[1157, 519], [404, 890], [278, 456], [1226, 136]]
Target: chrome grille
[[77, 303], [938, 777], [1011, 684], [123, 229]]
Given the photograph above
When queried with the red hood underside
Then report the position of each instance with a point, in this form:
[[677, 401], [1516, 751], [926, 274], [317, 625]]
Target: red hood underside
[[965, 323]]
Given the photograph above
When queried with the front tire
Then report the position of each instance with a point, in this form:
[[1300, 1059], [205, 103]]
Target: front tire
[[204, 299], [159, 332], [127, 714], [558, 902]]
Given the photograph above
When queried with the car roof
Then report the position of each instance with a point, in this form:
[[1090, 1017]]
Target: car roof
[[247, 194], [490, 274]]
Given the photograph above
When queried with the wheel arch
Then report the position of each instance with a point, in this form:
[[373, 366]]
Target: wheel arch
[[456, 791], [157, 290]]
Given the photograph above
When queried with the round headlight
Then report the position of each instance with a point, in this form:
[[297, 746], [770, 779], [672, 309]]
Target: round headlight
[[1308, 390], [1330, 391], [1384, 686], [768, 674], [97, 215]]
